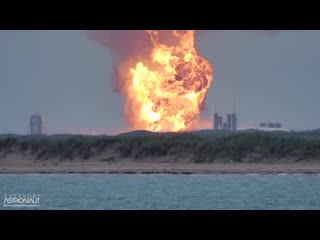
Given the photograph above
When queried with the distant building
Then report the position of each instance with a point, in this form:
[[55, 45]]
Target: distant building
[[234, 121], [230, 124], [278, 125], [225, 126], [271, 125], [36, 125], [262, 125], [216, 121], [229, 121], [220, 122]]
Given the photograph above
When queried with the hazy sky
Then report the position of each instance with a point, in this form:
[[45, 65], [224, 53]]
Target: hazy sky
[[67, 78]]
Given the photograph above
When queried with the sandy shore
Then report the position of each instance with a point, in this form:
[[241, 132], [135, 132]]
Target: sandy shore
[[25, 167]]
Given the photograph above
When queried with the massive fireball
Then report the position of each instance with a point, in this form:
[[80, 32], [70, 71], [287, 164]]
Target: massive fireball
[[167, 91]]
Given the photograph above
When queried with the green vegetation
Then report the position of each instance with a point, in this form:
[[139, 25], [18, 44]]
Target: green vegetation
[[198, 147]]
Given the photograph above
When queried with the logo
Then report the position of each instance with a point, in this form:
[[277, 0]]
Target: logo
[[21, 200]]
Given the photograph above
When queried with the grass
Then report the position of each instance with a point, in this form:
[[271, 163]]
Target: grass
[[239, 147]]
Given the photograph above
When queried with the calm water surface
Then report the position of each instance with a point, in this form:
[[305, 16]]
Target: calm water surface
[[166, 191]]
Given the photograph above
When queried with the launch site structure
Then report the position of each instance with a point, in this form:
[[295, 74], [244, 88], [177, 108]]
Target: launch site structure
[[36, 125]]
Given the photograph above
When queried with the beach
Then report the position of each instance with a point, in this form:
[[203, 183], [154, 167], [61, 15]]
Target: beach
[[17, 166]]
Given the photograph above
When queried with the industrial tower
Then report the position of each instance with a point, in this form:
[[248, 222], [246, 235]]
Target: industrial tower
[[231, 122], [36, 125]]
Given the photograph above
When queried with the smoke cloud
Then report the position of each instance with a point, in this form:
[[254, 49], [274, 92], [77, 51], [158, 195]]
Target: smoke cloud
[[127, 46], [122, 44], [131, 46]]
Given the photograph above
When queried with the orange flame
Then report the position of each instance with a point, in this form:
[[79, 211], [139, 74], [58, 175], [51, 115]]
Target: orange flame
[[167, 91]]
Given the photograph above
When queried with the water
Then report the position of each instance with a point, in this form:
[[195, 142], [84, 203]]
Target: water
[[166, 191]]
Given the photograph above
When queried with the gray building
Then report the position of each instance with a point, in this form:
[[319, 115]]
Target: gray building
[[36, 125], [263, 125], [278, 125], [270, 125], [230, 124], [234, 121], [229, 121], [220, 123], [216, 121]]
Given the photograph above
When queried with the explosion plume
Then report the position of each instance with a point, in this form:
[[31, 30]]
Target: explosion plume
[[161, 76]]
